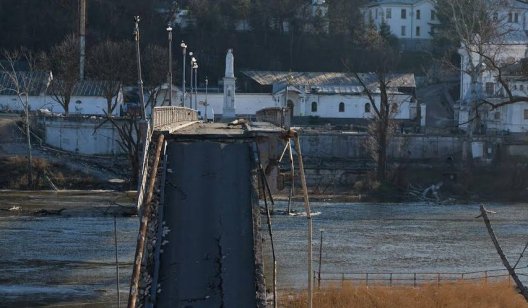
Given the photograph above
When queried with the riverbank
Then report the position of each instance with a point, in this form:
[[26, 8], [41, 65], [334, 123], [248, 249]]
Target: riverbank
[[67, 203]]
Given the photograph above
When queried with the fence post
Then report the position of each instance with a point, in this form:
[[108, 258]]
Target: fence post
[[486, 277], [462, 276], [390, 280], [342, 279], [366, 276], [415, 280], [437, 279]]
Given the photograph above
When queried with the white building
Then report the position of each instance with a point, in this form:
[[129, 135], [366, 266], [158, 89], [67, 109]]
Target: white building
[[411, 21], [330, 96], [335, 96], [507, 51], [87, 97]]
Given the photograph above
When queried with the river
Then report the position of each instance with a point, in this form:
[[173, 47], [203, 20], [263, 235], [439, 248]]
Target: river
[[392, 238], [56, 259]]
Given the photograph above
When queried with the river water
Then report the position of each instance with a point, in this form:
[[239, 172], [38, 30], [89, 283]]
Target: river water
[[392, 238], [55, 259]]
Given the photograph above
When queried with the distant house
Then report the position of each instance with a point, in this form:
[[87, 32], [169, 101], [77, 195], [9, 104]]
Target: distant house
[[32, 84], [88, 97], [411, 21], [334, 96], [510, 51]]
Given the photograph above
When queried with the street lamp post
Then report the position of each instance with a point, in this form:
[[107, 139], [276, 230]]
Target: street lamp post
[[169, 30], [205, 104], [195, 66], [191, 81], [184, 51]]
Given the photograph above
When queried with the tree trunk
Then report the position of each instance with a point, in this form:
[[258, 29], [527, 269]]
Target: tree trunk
[[504, 260]]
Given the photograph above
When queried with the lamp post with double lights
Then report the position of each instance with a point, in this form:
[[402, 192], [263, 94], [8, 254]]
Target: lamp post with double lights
[[169, 77], [184, 52]]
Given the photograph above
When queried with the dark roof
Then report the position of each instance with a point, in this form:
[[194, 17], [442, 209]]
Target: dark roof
[[329, 82], [87, 87], [42, 82], [33, 82]]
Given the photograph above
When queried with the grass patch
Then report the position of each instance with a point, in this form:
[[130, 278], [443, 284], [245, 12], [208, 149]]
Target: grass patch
[[457, 294], [14, 175]]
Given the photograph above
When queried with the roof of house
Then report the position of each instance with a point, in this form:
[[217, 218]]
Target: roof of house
[[35, 83], [327, 82], [38, 83], [87, 87]]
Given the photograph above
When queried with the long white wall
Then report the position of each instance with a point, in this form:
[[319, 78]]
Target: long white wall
[[327, 105], [78, 135]]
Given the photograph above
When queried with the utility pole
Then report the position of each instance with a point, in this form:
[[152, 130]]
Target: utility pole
[[82, 36]]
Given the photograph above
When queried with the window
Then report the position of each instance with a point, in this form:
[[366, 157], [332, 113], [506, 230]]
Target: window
[[417, 31], [495, 16], [515, 87], [417, 14], [496, 116], [403, 14], [403, 31], [490, 88], [314, 107], [521, 87], [433, 15], [394, 108], [341, 107], [510, 17], [388, 13], [516, 17], [526, 114], [367, 107]]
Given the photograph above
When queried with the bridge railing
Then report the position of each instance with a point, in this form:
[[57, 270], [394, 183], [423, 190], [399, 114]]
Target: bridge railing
[[166, 115]]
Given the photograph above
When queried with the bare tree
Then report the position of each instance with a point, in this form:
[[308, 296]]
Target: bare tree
[[483, 33], [23, 84], [381, 57], [63, 61], [113, 64], [154, 72]]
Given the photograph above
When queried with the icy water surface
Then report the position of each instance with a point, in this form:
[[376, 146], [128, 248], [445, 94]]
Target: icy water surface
[[391, 238], [54, 259]]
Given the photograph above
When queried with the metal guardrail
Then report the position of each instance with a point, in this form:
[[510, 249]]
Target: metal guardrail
[[414, 279], [166, 115]]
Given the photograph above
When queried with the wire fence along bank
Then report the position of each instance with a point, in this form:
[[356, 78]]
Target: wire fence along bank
[[415, 279]]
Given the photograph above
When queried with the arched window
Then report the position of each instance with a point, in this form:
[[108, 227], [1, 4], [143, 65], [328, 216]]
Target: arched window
[[394, 108], [314, 106], [367, 107], [341, 107]]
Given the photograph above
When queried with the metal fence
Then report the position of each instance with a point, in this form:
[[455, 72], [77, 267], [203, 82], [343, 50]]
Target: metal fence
[[166, 115], [415, 279]]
